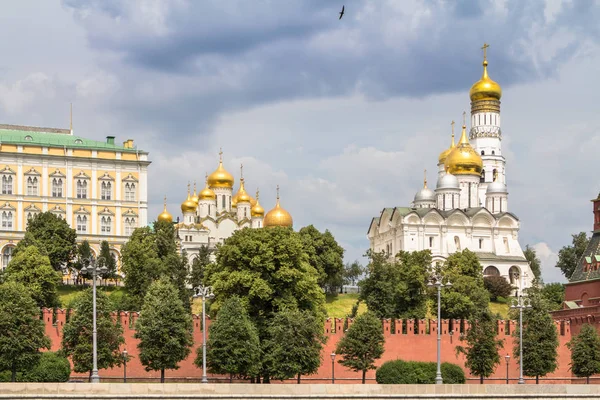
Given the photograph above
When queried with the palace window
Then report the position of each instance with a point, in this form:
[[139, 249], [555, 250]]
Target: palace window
[[482, 178], [31, 215], [7, 184], [32, 186], [430, 241], [457, 243], [105, 224], [129, 226], [130, 191], [81, 224], [7, 220], [106, 190], [481, 243], [7, 256], [223, 201], [57, 187], [82, 188]]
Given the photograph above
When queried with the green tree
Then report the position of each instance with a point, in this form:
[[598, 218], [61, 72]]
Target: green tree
[[585, 352], [22, 333], [164, 329], [378, 289], [77, 334], [51, 367], [497, 286], [233, 346], [198, 266], [482, 346], [554, 293], [32, 269], [534, 262], [352, 271], [325, 255], [540, 338], [269, 270], [294, 345], [569, 256], [83, 253], [362, 344], [53, 236], [107, 259]]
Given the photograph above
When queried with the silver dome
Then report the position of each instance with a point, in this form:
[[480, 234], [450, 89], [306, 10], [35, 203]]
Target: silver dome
[[496, 187], [425, 194], [448, 181]]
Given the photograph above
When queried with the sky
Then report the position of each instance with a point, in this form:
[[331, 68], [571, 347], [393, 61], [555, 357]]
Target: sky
[[343, 114]]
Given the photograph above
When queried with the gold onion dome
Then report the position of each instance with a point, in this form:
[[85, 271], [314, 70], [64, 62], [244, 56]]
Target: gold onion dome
[[195, 198], [445, 153], [257, 210], [463, 160], [278, 216], [241, 196], [207, 193], [220, 178], [485, 88], [165, 216], [188, 205]]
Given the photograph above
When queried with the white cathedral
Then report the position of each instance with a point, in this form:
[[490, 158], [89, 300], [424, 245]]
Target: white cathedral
[[211, 216], [469, 207]]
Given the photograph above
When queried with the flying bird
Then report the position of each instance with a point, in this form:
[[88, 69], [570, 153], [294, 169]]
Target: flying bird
[[341, 13]]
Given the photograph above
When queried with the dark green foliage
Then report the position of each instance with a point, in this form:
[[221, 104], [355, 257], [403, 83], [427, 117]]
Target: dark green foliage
[[569, 256], [467, 295], [482, 347], [198, 266], [294, 345], [326, 256], [22, 332], [534, 262], [32, 269], [585, 352], [164, 328], [418, 372], [77, 334], [554, 293], [51, 367], [397, 289], [362, 344], [84, 252], [107, 259], [540, 337], [233, 346], [497, 286], [352, 271], [53, 237]]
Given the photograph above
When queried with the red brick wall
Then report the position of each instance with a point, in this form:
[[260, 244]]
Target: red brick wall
[[418, 343]]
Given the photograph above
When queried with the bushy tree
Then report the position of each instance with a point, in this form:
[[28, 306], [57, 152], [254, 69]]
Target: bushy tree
[[482, 347], [233, 346], [569, 256], [362, 344], [269, 270], [585, 352], [497, 286], [51, 367], [54, 238], [540, 338], [83, 253], [107, 259], [164, 329], [22, 333], [554, 293], [198, 266], [77, 334], [325, 255], [294, 345], [352, 271], [32, 269], [534, 262]]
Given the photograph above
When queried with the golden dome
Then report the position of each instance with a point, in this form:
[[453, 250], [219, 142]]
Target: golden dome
[[445, 153], [278, 216], [188, 205], [257, 210], [165, 216], [485, 88], [463, 160], [195, 198], [220, 178], [207, 193], [242, 196]]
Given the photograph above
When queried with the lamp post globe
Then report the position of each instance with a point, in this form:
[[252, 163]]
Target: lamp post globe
[[333, 367], [437, 282]]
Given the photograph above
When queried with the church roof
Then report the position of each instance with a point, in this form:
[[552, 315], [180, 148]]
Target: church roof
[[584, 270], [494, 257], [421, 212]]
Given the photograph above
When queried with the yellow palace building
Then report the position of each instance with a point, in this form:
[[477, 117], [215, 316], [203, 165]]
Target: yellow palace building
[[99, 188]]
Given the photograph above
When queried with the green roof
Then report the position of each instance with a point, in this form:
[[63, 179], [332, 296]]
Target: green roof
[[51, 137]]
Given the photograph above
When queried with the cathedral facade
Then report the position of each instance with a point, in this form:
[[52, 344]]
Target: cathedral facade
[[212, 215], [468, 209]]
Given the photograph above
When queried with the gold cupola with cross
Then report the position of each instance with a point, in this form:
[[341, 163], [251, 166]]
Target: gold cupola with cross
[[278, 216], [485, 88], [220, 178], [464, 160]]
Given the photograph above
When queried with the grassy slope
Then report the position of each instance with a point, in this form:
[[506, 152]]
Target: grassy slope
[[67, 294]]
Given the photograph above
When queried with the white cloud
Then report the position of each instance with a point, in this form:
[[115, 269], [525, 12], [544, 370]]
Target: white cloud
[[548, 258]]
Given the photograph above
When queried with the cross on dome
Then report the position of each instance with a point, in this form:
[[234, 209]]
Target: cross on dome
[[484, 48]]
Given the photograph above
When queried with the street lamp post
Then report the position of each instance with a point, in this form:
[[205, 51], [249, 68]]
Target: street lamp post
[[333, 367], [507, 358], [436, 281], [91, 266], [124, 366], [204, 292], [520, 305]]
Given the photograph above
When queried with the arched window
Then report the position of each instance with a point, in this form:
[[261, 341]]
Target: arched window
[[457, 243], [81, 189], [32, 186], [130, 191], [482, 178], [57, 187], [7, 256], [223, 202], [245, 212], [7, 182], [430, 241], [129, 226], [495, 174], [106, 191], [105, 224], [81, 223], [493, 152], [480, 243], [7, 220], [491, 271], [482, 152], [514, 274]]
